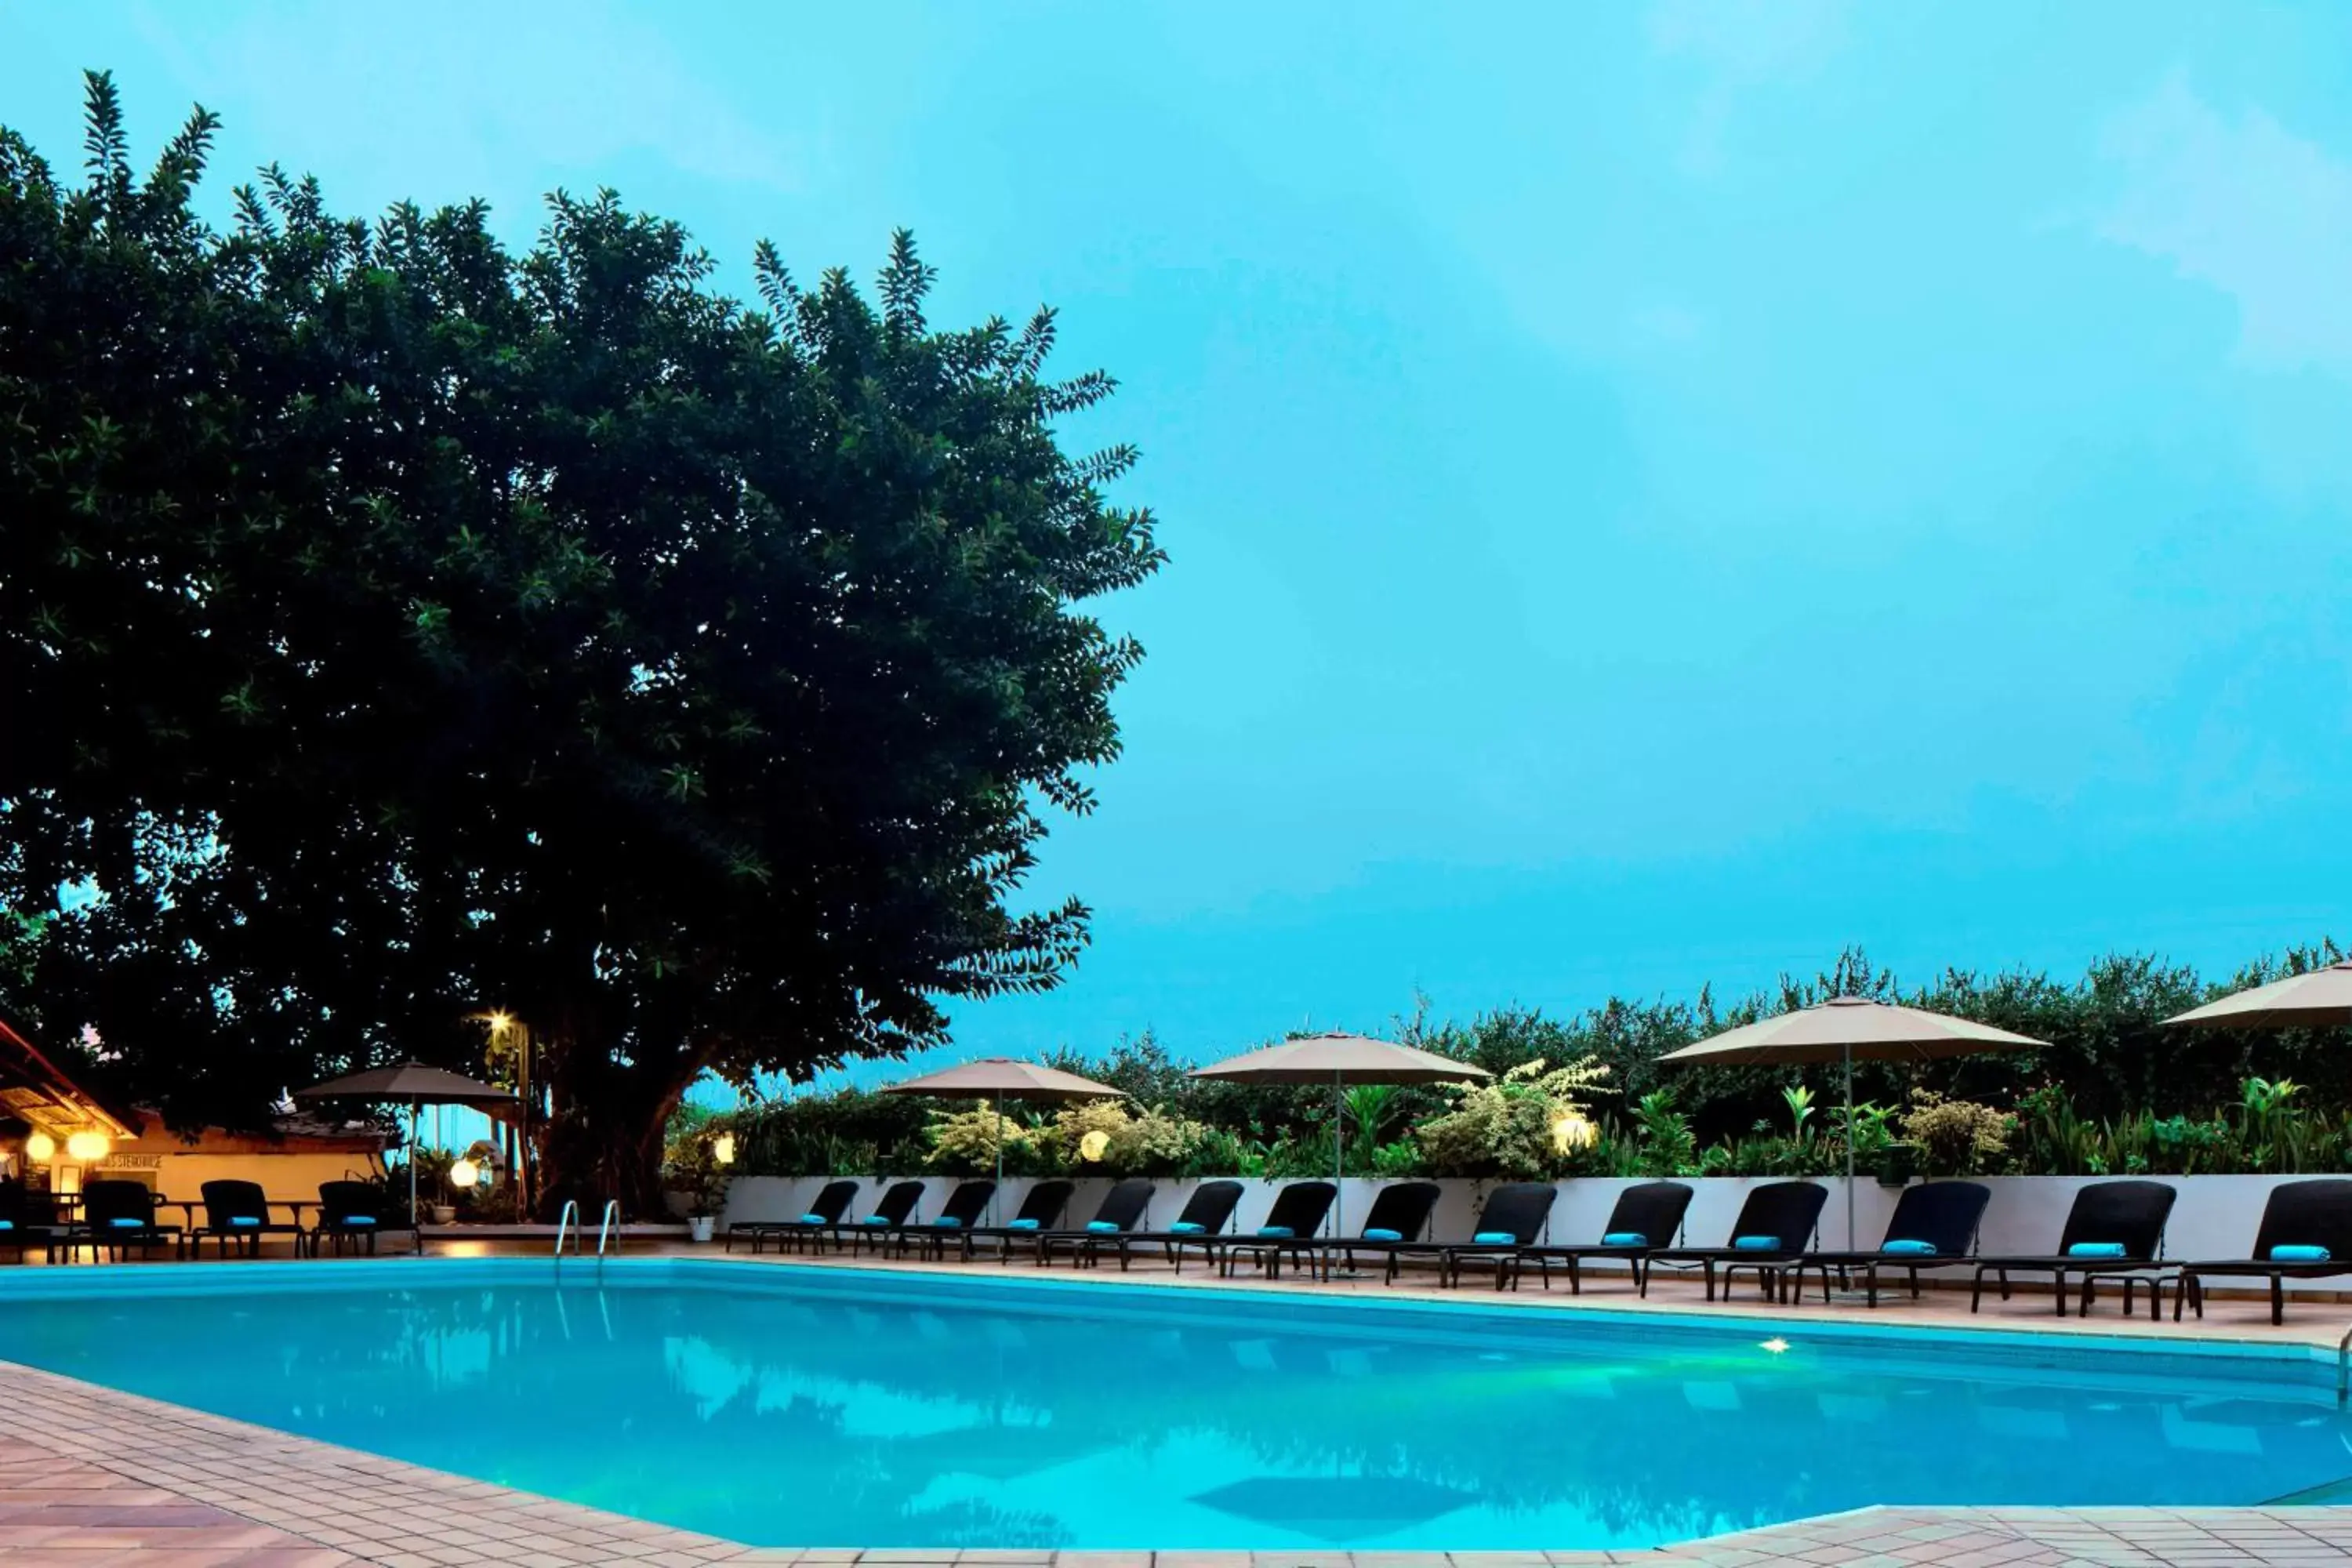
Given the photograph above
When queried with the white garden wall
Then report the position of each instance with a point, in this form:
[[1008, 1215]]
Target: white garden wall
[[2215, 1216]]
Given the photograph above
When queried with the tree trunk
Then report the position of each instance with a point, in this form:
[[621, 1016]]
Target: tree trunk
[[604, 1139]]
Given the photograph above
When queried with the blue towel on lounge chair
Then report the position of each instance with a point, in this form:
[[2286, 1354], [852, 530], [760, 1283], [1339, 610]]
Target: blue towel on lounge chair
[[1186, 1227], [813, 1219], [2095, 1249], [1910, 1248], [1495, 1238], [244, 1222], [1276, 1232], [1756, 1244], [948, 1220], [1103, 1226], [2298, 1253], [1381, 1232], [128, 1224], [876, 1219], [7, 1224], [1023, 1224], [1624, 1238], [357, 1219]]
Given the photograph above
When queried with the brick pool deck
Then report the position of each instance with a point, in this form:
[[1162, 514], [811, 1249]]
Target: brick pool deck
[[91, 1476]]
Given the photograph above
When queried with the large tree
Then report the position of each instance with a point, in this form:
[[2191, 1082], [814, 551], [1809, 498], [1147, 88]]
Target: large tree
[[393, 625]]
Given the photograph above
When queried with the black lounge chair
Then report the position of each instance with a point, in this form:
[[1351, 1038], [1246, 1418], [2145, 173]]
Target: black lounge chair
[[1297, 1214], [1204, 1218], [1399, 1214], [1933, 1226], [891, 1212], [27, 1219], [1513, 1217], [238, 1213], [350, 1213], [117, 1216], [825, 1211], [1041, 1210], [2311, 1221], [1647, 1217], [2124, 1221], [1124, 1207], [963, 1210], [1775, 1229]]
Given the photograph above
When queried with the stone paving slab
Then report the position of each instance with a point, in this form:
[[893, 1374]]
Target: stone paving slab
[[95, 1476]]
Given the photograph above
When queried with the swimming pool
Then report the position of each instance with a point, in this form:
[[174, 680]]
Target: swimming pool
[[832, 1407]]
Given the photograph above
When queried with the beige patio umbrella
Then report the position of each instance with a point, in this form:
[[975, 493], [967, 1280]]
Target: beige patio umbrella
[[1002, 1078], [1340, 1060], [1846, 1029], [2314, 999], [419, 1086]]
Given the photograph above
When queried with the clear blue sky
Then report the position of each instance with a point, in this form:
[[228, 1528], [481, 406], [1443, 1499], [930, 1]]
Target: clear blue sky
[[1654, 493]]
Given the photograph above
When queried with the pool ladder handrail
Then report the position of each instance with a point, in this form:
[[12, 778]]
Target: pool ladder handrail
[[573, 1223], [2344, 1370]]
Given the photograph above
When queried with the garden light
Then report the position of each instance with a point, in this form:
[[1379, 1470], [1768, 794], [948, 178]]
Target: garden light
[[722, 1149], [1571, 1132], [464, 1173], [88, 1146], [40, 1148], [1092, 1146]]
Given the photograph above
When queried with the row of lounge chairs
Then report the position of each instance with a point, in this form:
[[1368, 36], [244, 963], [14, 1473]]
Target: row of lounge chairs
[[2114, 1233], [118, 1217]]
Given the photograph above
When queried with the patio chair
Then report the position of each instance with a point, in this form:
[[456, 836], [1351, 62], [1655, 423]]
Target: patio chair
[[1933, 1226], [239, 1213], [1774, 1229], [963, 1208], [1297, 1213], [2306, 1234], [892, 1212], [117, 1216], [2115, 1229], [351, 1214], [1040, 1210], [1206, 1213], [1513, 1217], [1399, 1214], [1124, 1207], [824, 1212], [1646, 1217], [25, 1220]]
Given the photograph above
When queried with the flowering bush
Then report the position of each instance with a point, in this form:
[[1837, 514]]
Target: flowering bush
[[1956, 1137], [965, 1142], [1524, 1124], [1067, 1141]]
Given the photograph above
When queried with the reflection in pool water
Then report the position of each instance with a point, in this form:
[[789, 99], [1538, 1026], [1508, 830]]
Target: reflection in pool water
[[836, 1411]]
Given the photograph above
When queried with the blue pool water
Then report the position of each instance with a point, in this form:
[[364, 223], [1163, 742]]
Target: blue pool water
[[834, 1409]]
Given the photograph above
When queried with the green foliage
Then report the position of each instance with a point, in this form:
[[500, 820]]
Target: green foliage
[[969, 1142], [395, 624], [1512, 1125], [690, 1163], [1668, 1147], [1956, 1137]]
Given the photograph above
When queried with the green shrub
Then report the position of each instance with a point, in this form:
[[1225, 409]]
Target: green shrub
[[1956, 1137]]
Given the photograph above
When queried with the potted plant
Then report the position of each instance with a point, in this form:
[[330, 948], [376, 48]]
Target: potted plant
[[698, 1169]]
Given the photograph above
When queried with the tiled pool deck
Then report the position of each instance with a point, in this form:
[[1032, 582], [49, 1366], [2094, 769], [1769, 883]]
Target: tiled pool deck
[[91, 1476]]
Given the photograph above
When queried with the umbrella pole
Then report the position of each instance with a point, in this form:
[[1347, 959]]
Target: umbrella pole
[[996, 1192], [415, 1220], [1851, 1244], [1339, 1165]]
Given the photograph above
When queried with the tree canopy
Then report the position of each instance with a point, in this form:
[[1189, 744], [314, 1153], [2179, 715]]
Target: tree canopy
[[395, 625]]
